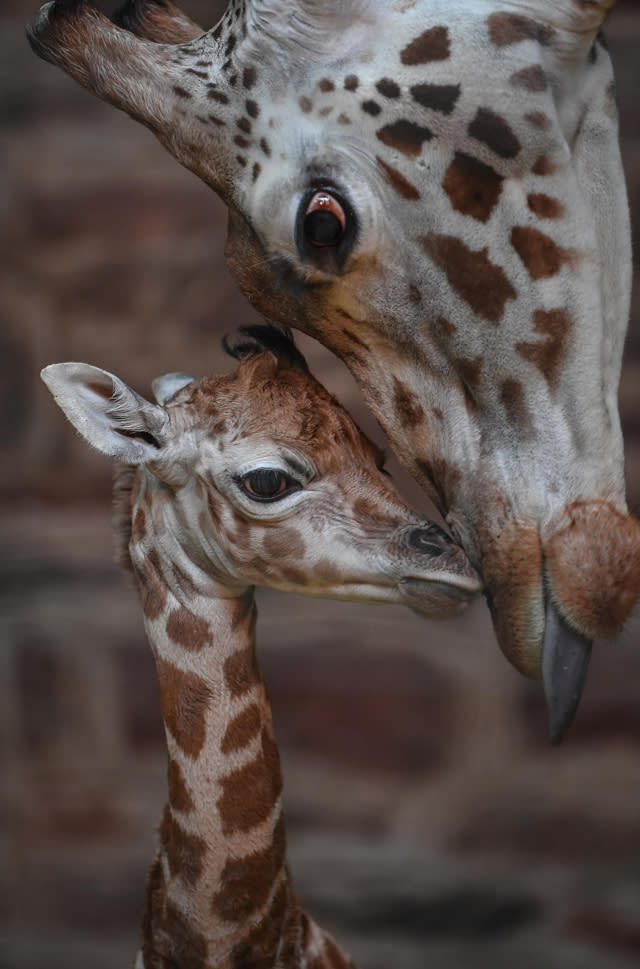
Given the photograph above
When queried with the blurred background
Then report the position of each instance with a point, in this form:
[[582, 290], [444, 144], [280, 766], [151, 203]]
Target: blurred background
[[430, 823]]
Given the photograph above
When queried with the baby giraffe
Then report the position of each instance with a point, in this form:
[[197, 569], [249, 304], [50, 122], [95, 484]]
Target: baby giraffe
[[255, 477]]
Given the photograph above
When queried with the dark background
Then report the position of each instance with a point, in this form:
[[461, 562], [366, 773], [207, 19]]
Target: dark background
[[430, 823]]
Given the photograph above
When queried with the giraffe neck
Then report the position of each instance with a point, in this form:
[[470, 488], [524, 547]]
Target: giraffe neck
[[219, 893]]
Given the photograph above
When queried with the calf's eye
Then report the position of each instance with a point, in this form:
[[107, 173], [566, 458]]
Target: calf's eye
[[268, 484]]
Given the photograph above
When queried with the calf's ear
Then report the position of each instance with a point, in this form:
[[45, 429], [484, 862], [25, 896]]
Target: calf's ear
[[107, 413]]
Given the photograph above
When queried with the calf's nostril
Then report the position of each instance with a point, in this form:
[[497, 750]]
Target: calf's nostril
[[430, 541]]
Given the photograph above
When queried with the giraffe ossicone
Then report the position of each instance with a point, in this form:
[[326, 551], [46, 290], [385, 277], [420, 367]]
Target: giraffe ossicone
[[434, 190], [255, 477]]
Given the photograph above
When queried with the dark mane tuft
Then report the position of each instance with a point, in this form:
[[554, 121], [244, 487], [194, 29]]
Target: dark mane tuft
[[258, 338], [123, 479]]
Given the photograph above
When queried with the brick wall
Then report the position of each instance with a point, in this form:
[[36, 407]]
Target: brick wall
[[429, 821]]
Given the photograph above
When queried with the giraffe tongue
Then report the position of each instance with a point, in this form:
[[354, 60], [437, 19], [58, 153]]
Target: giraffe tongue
[[565, 660]]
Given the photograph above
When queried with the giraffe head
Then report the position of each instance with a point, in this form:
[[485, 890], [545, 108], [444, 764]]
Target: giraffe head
[[433, 189], [260, 477]]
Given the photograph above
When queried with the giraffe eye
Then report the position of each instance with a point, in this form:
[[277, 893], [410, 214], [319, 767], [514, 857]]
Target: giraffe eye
[[325, 220], [268, 484], [326, 229]]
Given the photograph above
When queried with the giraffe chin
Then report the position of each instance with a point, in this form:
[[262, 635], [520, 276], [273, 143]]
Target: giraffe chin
[[551, 595], [592, 561]]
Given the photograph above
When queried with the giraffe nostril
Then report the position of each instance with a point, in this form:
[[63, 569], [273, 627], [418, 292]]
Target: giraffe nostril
[[430, 540]]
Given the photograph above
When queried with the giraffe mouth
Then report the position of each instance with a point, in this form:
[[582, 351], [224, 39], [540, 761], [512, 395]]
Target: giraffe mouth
[[565, 662], [437, 599]]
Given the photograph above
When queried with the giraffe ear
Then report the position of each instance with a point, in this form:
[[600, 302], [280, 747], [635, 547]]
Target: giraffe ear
[[107, 413], [165, 387]]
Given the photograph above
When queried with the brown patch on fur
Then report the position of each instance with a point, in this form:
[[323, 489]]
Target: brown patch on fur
[[184, 852], [268, 943], [139, 526], [397, 180], [478, 281], [514, 402], [436, 97], [444, 329], [405, 136], [152, 586], [351, 82], [124, 481], [544, 166], [249, 77], [366, 510], [493, 131], [442, 479], [188, 630], [247, 882], [470, 370], [544, 206], [539, 120], [326, 85], [241, 671], [593, 563], [539, 253], [295, 577], [354, 338], [512, 28], [244, 613], [168, 937], [548, 354], [214, 95], [153, 915], [388, 88], [432, 45], [371, 107], [473, 187], [415, 296], [406, 404], [242, 729], [284, 541], [185, 700], [250, 793], [530, 78], [179, 796], [187, 947], [306, 104], [327, 572]]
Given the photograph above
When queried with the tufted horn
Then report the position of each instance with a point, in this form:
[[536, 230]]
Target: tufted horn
[[157, 20], [144, 75], [583, 18]]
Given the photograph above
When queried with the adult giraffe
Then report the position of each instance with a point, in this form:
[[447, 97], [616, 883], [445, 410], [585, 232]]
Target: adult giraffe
[[433, 189]]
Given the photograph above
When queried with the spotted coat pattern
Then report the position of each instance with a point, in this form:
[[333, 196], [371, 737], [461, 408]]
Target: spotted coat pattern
[[477, 261]]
